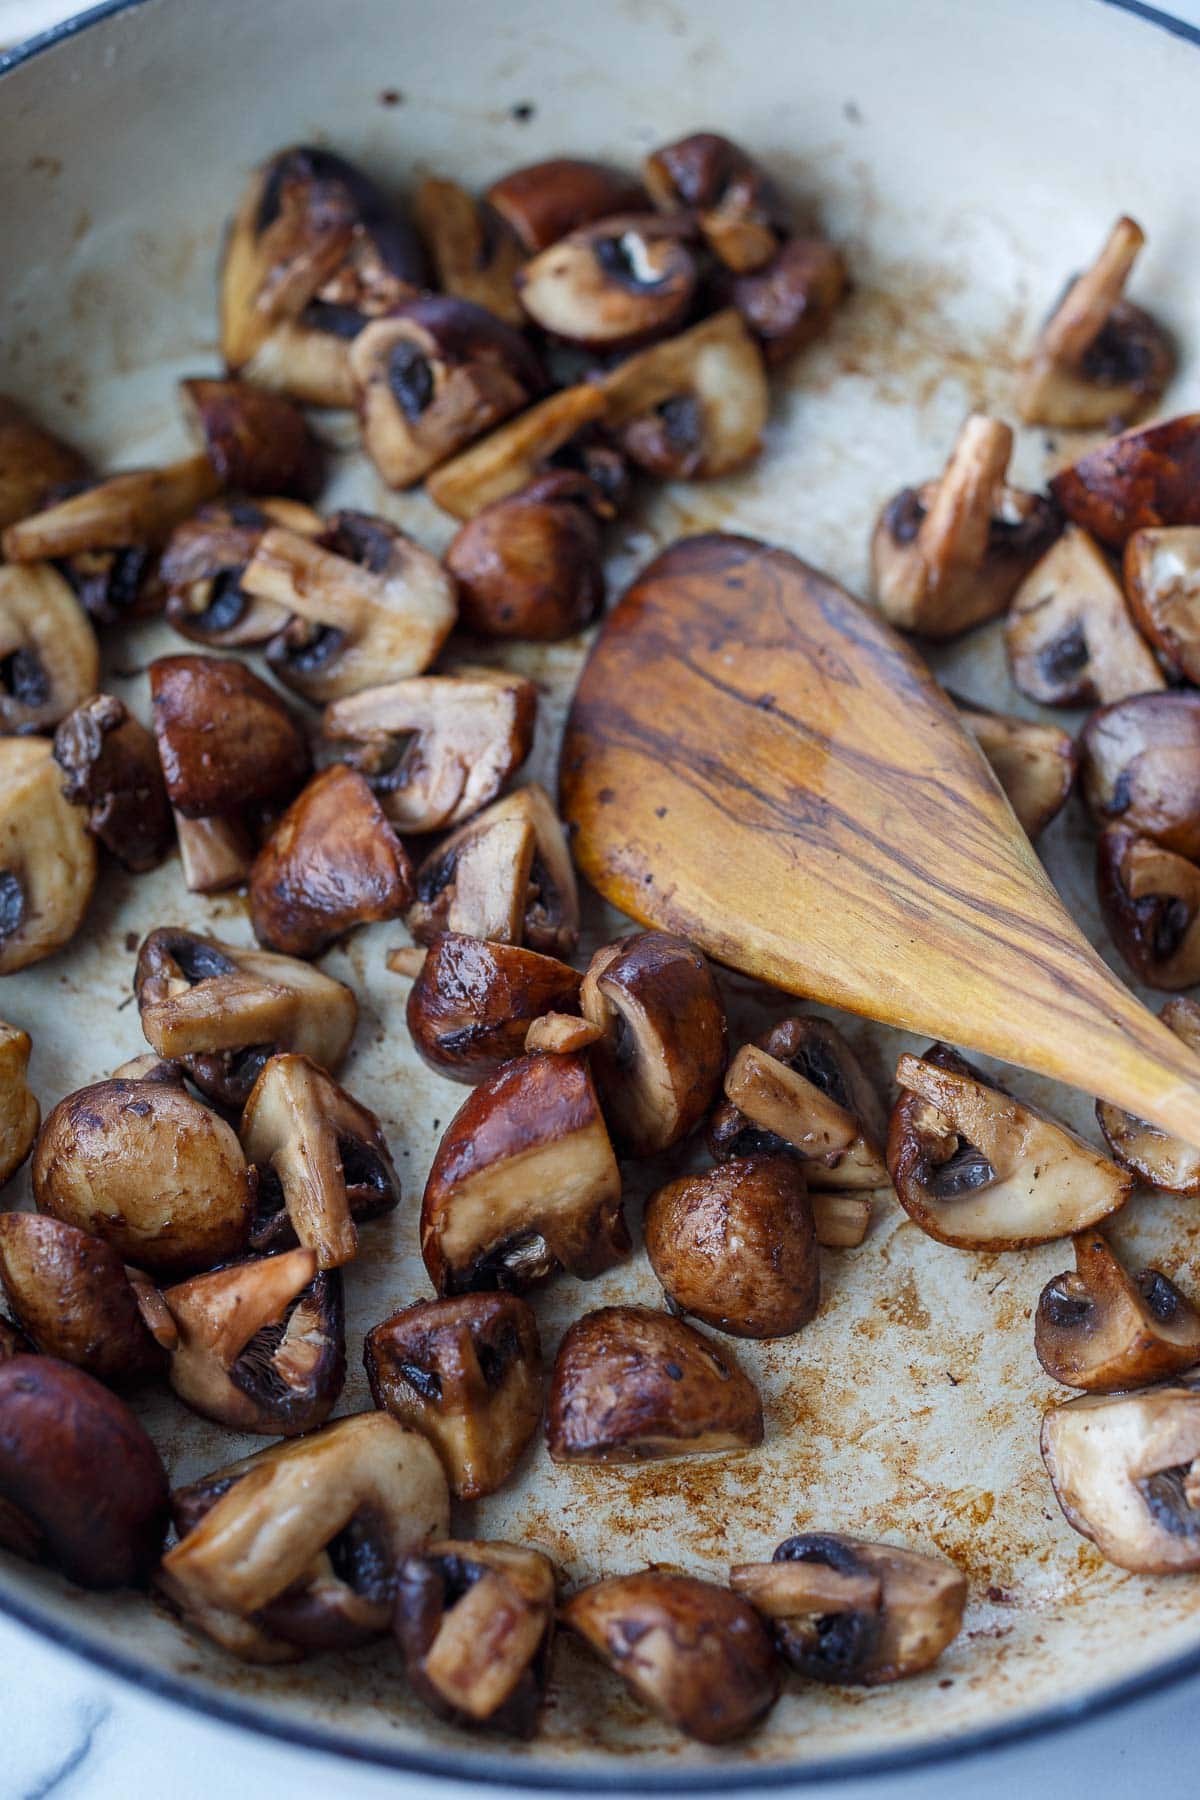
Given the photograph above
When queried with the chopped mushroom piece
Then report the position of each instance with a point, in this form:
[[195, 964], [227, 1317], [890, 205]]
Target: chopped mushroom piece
[[530, 565], [509, 459], [634, 1385], [801, 1086], [216, 853], [613, 285], [976, 1169], [33, 463], [20, 1114], [1098, 358], [1155, 1157], [524, 1181], [258, 442], [560, 1034], [545, 201], [472, 1002], [697, 1654], [49, 657], [1034, 764], [226, 740], [70, 1294], [202, 566], [841, 1221], [1140, 765], [847, 1611], [47, 856], [439, 747], [951, 554], [1124, 1471], [737, 206], [1150, 899], [1069, 636], [1100, 1329], [694, 407], [662, 1053], [475, 1622], [791, 301], [506, 875], [468, 1373], [1145, 478], [474, 252], [1162, 583], [111, 767], [321, 1159]]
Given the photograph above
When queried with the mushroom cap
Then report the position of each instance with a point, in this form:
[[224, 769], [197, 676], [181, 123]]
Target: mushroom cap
[[111, 766], [612, 285], [530, 566], [737, 205], [47, 856], [1140, 766], [258, 442], [1069, 636], [70, 1294], [1147, 477], [202, 566], [515, 454], [475, 253], [1150, 898], [471, 1005], [1099, 1329], [544, 201], [789, 302], [226, 740], [1120, 1467]]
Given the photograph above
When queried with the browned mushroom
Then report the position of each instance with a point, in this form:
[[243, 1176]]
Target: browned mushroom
[[49, 657], [226, 740], [472, 1003], [468, 1373], [697, 1654], [506, 875], [81, 1485], [737, 206], [530, 566], [800, 1086], [321, 1159], [33, 463], [257, 442], [1150, 899], [1124, 1471], [694, 407], [1162, 584], [149, 1169], [20, 1114], [735, 1246], [546, 200], [976, 1169], [475, 1622], [631, 1385], [613, 285], [790, 301], [1145, 478], [1099, 1328], [1155, 1157], [202, 566], [474, 252], [47, 856], [951, 554], [524, 1181], [439, 747], [111, 767], [1069, 636], [662, 1053], [507, 460], [1034, 764], [1098, 358], [222, 1011], [847, 1611], [69, 1293], [1140, 765]]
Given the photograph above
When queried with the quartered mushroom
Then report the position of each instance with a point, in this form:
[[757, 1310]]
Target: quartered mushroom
[[1069, 636], [507, 460], [660, 1059], [49, 657], [634, 1385], [737, 206], [33, 463], [1146, 478], [111, 767], [321, 1160], [696, 1654], [475, 1623], [82, 1487], [800, 1087], [365, 605], [223, 1011], [613, 285], [735, 1246], [1162, 584], [468, 1373], [20, 1114], [226, 741], [531, 565], [846, 1611], [951, 554], [1034, 764], [473, 1001], [259, 1346], [202, 566], [1150, 898], [439, 747], [314, 252], [1099, 1328], [523, 1182], [1140, 767], [47, 856], [791, 301], [694, 407], [544, 201], [1154, 1156], [976, 1169], [475, 254], [506, 875], [433, 376], [1124, 1470], [1098, 358], [70, 1294], [295, 1550], [332, 862]]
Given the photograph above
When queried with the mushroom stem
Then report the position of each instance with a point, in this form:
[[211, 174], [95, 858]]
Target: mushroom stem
[[955, 529], [222, 1012], [1089, 300], [407, 960], [216, 853], [140, 506], [294, 572], [841, 1221], [789, 1590]]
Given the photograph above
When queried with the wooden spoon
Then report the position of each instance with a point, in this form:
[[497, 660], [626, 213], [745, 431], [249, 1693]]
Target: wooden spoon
[[755, 760]]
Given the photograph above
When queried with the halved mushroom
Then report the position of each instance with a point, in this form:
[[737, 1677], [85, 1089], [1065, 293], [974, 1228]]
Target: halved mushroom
[[662, 1053], [70, 1294], [215, 853], [49, 657], [81, 1485], [225, 739], [695, 1653], [111, 767], [802, 1086], [113, 586], [1034, 764], [439, 747], [260, 1346], [1150, 899], [847, 1611], [524, 1181], [1145, 478], [47, 856], [468, 1373], [1070, 639], [432, 377], [313, 253], [613, 285], [321, 1159], [560, 1034], [295, 1550], [1124, 1471], [332, 862], [509, 459], [223, 1011], [472, 1002], [32, 463], [1098, 357], [1099, 1328], [1162, 584], [735, 1246], [694, 407], [1155, 1157], [737, 206], [633, 1385], [474, 252], [149, 1169], [790, 301], [506, 875], [202, 566], [366, 605], [951, 554], [475, 1622], [546, 200], [976, 1169], [530, 566], [1140, 765]]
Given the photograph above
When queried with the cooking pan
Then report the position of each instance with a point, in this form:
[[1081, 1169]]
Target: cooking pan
[[967, 158]]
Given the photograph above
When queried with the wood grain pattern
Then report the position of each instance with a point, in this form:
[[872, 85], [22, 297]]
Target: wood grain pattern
[[754, 759]]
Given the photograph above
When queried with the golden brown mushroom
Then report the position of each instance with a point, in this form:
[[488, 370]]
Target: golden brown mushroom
[[1150, 898], [507, 460], [1154, 1156], [1069, 636], [49, 657], [1099, 1328], [20, 1114], [214, 854], [70, 1294], [202, 566], [225, 739], [111, 767], [506, 875], [33, 463], [613, 285], [472, 1003], [530, 565], [791, 301], [1145, 478], [694, 407], [47, 856], [1124, 1471], [544, 201], [1140, 766], [737, 206], [1162, 584], [474, 252], [800, 1087], [1034, 764]]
